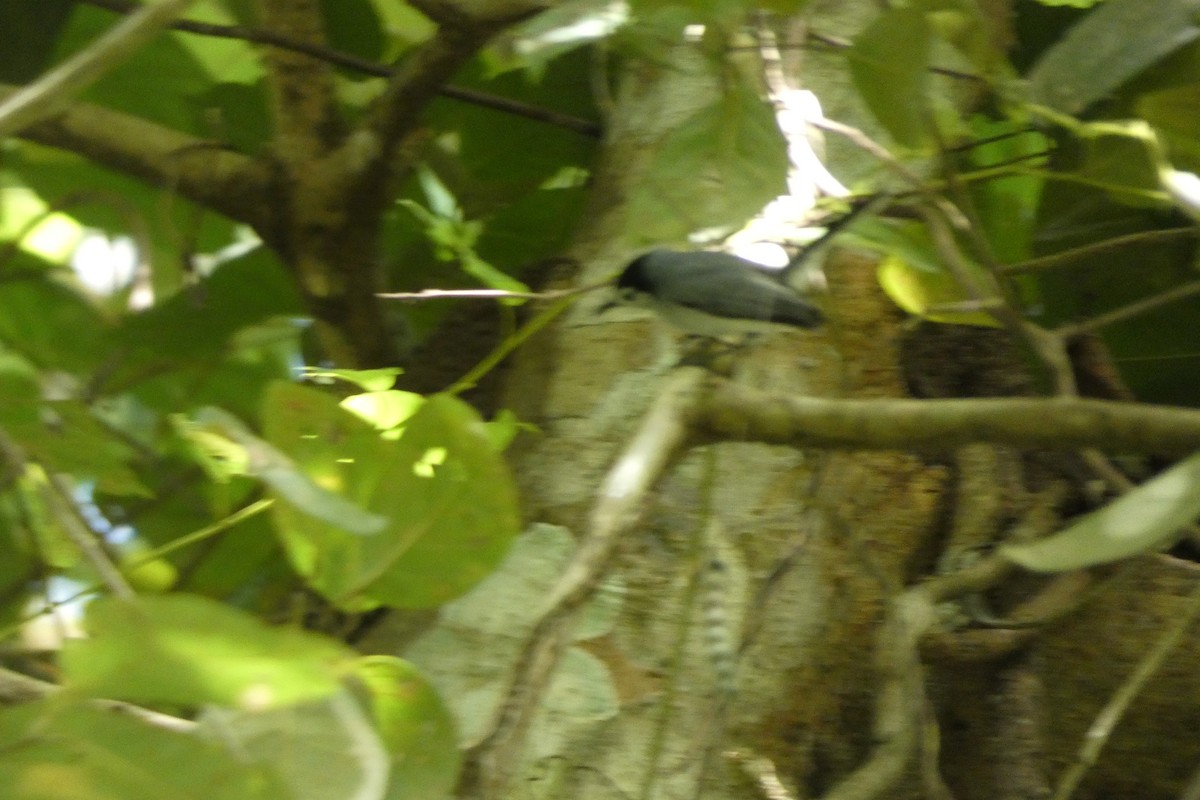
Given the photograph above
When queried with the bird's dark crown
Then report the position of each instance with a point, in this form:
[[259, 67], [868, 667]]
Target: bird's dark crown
[[635, 276]]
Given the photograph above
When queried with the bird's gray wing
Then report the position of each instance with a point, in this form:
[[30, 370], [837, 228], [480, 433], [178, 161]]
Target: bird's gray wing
[[728, 286]]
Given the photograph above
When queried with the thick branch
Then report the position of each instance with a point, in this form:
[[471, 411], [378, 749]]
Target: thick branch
[[205, 172], [728, 411], [305, 111]]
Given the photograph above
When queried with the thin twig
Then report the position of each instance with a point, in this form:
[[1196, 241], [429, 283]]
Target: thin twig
[[85, 539], [487, 294], [869, 145], [662, 436], [17, 688], [1066, 257], [1101, 729], [361, 65], [1130, 311], [62, 503]]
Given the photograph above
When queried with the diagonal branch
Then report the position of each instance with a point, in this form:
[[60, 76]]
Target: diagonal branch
[[395, 114], [44, 96], [205, 172]]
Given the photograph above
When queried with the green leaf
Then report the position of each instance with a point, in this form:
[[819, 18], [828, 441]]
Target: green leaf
[[1124, 168], [69, 439], [225, 59], [889, 64], [114, 202], [20, 566], [154, 83], [416, 727], [199, 322], [384, 410], [1143, 520], [50, 324], [46, 537], [1172, 112], [370, 380], [19, 392], [908, 240], [503, 154], [1007, 204], [277, 471], [912, 272], [324, 749], [716, 170], [1110, 45], [447, 494], [920, 292], [238, 112], [964, 26], [534, 226], [489, 276], [190, 651], [354, 26], [54, 750]]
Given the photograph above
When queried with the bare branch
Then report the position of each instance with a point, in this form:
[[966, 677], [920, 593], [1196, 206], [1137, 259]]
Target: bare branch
[[88, 541], [1067, 258], [396, 113], [47, 94], [306, 120], [728, 411], [1130, 311], [661, 437], [62, 504], [1098, 734], [486, 294], [205, 172]]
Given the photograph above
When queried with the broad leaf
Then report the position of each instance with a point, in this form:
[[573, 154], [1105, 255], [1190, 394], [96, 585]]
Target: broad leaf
[[69, 439], [30, 32], [323, 749], [52, 750], [223, 432], [1141, 521], [889, 63], [444, 488], [191, 651], [1109, 46], [416, 727], [716, 170], [48, 323]]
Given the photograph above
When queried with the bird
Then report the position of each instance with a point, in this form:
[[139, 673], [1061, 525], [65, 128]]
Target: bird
[[714, 294]]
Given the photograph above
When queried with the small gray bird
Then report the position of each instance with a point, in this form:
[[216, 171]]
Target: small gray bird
[[714, 294]]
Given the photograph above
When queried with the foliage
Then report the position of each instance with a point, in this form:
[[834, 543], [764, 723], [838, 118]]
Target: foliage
[[186, 409]]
